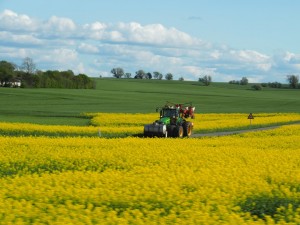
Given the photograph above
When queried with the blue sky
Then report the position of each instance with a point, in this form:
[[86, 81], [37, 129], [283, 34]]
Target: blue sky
[[224, 39]]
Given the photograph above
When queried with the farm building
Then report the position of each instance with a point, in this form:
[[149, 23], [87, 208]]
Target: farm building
[[11, 83]]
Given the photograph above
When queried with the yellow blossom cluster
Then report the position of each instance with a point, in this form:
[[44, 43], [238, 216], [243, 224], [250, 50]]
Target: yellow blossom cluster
[[17, 129], [122, 119], [250, 178]]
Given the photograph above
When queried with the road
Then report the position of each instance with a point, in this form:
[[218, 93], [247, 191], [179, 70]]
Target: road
[[216, 134]]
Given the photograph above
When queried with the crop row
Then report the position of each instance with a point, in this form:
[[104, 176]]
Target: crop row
[[249, 178]]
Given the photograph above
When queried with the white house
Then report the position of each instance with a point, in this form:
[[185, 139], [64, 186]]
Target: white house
[[12, 83]]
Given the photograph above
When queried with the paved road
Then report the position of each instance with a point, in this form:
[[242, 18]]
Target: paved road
[[216, 134]]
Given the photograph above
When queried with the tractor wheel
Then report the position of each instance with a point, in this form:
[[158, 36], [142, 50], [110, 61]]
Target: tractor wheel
[[178, 132], [187, 129]]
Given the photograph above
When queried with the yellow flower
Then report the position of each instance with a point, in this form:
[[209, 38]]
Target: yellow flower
[[250, 178]]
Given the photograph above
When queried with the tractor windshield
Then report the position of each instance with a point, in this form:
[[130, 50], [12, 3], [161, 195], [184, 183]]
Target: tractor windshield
[[169, 113]]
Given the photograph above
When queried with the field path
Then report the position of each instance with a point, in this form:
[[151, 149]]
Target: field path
[[223, 133]]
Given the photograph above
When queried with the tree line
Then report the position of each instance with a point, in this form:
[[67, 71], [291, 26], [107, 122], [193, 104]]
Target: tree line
[[206, 80], [27, 76], [119, 72], [293, 82]]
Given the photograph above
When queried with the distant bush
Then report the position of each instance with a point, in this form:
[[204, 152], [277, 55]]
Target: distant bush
[[275, 85], [257, 87], [206, 80], [272, 85], [243, 81], [264, 84], [234, 82]]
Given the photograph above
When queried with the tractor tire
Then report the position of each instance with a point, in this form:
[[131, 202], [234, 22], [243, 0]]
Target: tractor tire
[[178, 132], [187, 129]]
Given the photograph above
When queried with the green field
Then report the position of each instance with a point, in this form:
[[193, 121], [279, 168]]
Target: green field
[[65, 106]]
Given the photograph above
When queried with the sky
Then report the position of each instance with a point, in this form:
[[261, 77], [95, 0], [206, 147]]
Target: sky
[[227, 40]]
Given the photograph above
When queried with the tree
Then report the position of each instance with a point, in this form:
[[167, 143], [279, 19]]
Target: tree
[[28, 66], [293, 80], [206, 80], [157, 75], [272, 84], [117, 72], [140, 74], [68, 74], [257, 87], [244, 81], [127, 75], [7, 72], [169, 76], [148, 76], [234, 82], [181, 78], [83, 81]]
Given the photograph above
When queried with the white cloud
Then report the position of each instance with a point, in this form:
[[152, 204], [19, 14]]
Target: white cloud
[[155, 34], [152, 34], [116, 36], [13, 21], [80, 68], [22, 39], [60, 42], [60, 27], [291, 58], [61, 56], [88, 48], [248, 56], [215, 54], [290, 62], [60, 24], [94, 31], [97, 26], [16, 53], [200, 72]]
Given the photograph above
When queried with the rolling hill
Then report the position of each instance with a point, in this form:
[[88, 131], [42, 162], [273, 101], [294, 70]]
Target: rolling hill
[[64, 106]]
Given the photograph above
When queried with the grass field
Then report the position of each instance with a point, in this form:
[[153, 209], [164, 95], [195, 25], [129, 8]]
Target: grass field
[[65, 106]]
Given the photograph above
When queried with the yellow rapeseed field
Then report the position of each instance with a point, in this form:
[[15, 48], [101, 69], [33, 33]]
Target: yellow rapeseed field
[[134, 123], [47, 130], [251, 178], [127, 124]]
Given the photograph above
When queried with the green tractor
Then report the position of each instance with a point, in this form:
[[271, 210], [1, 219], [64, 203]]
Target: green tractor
[[172, 122]]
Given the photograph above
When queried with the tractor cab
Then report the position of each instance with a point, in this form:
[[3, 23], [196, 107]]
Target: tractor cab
[[169, 112]]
